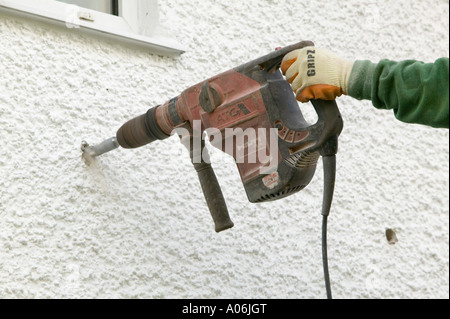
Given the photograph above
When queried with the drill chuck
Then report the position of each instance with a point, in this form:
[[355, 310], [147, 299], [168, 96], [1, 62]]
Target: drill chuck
[[140, 130]]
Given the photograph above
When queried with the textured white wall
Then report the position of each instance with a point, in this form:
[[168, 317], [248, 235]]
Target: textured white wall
[[136, 225]]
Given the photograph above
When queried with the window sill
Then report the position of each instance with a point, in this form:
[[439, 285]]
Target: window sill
[[92, 22]]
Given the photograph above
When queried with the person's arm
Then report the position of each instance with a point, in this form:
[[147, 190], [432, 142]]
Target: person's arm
[[417, 92]]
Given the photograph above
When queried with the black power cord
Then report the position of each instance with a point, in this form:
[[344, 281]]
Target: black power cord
[[325, 257], [329, 173]]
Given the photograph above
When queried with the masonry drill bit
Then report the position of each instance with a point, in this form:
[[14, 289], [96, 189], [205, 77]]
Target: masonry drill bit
[[91, 152]]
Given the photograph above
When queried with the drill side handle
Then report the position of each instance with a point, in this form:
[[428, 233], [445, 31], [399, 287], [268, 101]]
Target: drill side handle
[[144, 129], [211, 188]]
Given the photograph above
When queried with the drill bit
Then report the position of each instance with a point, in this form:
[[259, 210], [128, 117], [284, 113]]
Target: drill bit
[[91, 152]]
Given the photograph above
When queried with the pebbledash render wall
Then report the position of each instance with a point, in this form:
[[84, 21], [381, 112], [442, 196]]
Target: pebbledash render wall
[[135, 224]]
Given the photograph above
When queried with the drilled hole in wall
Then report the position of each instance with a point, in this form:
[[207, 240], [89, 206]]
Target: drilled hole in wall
[[391, 236]]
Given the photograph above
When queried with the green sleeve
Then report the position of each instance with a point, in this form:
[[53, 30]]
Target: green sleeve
[[417, 92]]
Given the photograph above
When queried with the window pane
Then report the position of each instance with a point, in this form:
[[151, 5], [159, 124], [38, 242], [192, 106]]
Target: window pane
[[107, 6]]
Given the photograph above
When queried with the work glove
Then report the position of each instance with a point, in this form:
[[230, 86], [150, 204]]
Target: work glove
[[316, 73]]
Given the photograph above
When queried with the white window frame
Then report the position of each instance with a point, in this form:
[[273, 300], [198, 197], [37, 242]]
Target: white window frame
[[138, 24]]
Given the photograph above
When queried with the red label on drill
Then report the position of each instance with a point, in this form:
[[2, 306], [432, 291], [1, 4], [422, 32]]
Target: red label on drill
[[272, 180], [228, 116]]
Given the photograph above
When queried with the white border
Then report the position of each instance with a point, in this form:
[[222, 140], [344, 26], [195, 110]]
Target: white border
[[105, 25]]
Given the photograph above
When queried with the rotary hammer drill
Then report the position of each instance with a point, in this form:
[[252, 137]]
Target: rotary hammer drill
[[256, 101], [253, 97]]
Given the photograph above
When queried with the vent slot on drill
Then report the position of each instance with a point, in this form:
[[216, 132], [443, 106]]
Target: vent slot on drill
[[303, 159], [280, 194]]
